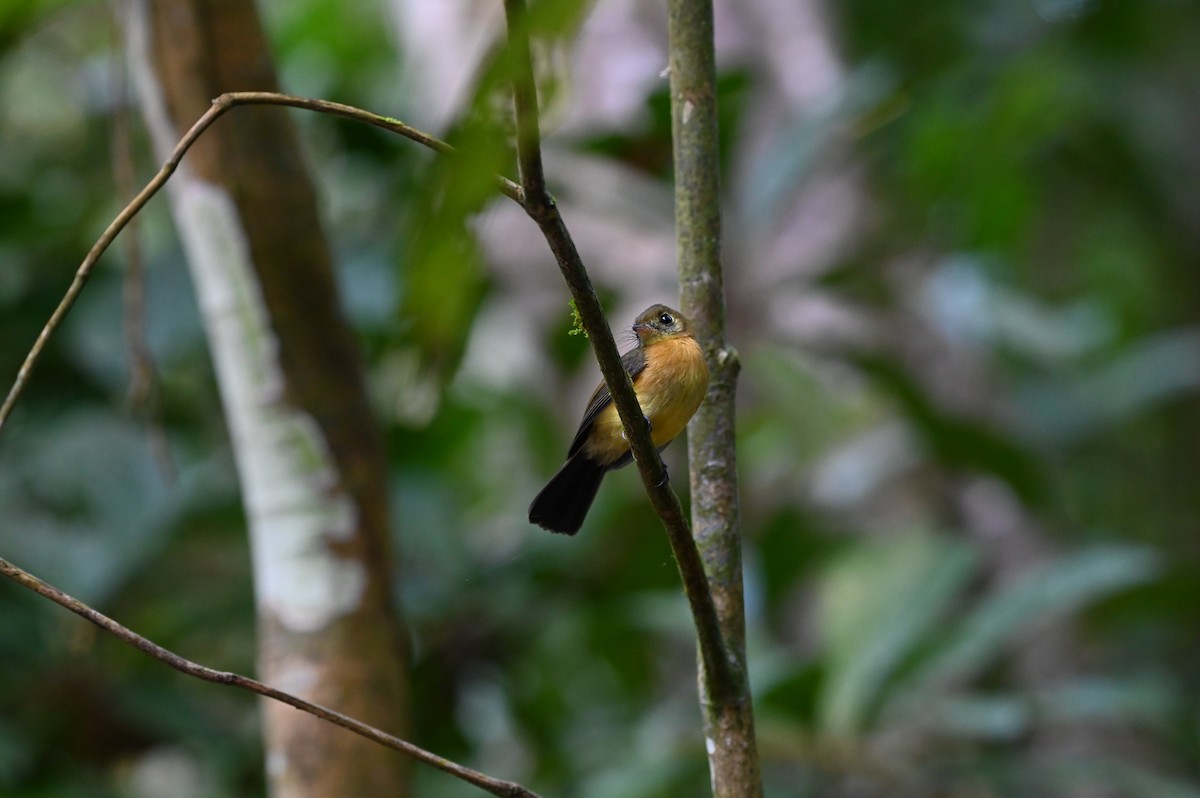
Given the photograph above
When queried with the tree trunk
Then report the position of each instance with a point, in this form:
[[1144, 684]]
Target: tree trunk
[[728, 710], [309, 457]]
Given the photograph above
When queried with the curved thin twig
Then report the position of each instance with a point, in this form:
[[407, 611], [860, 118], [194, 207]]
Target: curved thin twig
[[220, 105], [506, 789], [540, 206]]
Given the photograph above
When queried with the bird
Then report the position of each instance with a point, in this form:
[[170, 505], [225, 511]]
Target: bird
[[670, 378]]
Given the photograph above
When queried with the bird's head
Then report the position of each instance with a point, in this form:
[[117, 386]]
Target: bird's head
[[658, 322]]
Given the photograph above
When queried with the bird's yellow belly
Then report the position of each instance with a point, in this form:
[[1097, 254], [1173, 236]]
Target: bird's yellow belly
[[669, 389]]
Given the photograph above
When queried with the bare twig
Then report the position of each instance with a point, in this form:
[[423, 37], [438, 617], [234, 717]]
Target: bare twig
[[220, 105], [540, 207], [507, 789], [525, 104]]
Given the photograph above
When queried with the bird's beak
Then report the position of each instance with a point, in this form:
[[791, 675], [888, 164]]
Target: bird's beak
[[640, 330]]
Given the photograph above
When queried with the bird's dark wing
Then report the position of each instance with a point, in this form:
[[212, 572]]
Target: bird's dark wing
[[634, 361]]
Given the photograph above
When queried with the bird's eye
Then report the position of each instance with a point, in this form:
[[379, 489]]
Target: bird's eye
[[665, 319]]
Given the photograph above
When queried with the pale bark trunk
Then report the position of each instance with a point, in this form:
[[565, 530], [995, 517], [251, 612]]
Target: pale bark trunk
[[309, 458]]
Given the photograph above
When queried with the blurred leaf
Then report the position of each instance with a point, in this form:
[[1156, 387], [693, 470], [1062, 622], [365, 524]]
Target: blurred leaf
[[1153, 370], [1140, 701], [16, 754], [904, 34], [961, 299], [973, 157], [1009, 717], [864, 465], [958, 442], [788, 161], [87, 512], [992, 718], [1115, 776], [16, 19], [1053, 590], [877, 605], [442, 276], [786, 692]]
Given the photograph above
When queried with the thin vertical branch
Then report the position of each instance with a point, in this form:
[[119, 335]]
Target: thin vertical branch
[[525, 105], [728, 712], [540, 207]]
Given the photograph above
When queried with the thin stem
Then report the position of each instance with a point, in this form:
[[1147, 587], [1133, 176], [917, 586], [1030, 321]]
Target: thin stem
[[540, 207], [494, 786], [220, 105], [525, 104]]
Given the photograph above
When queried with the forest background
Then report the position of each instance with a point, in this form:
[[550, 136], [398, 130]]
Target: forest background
[[961, 245]]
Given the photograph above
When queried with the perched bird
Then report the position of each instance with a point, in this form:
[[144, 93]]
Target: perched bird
[[670, 378]]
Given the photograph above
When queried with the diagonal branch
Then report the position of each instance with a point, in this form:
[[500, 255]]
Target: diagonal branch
[[723, 673], [220, 105], [540, 206], [506, 789]]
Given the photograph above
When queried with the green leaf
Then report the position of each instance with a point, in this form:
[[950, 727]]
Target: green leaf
[[443, 280], [1008, 716], [1003, 718], [1115, 777], [88, 511], [956, 441], [1145, 701], [876, 606], [1055, 589]]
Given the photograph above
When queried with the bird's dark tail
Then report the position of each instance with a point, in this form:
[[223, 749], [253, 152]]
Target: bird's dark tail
[[562, 505]]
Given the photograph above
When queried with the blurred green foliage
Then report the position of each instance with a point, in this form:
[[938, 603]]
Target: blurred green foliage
[[950, 577]]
